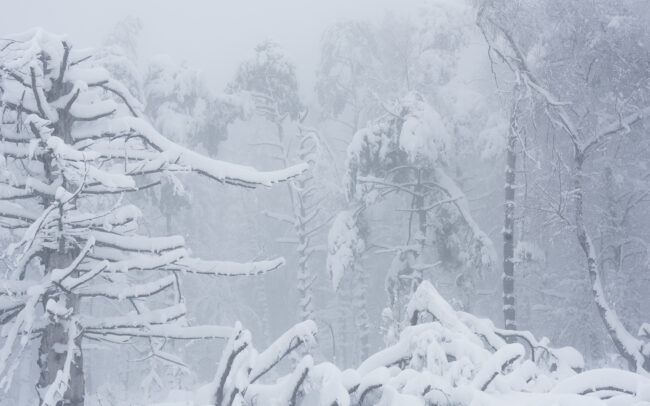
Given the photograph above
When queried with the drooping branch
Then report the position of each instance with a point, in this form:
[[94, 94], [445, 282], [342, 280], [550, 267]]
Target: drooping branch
[[166, 331], [302, 333]]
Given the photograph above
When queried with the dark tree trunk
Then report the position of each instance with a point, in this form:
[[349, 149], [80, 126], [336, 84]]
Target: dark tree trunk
[[509, 234], [53, 349]]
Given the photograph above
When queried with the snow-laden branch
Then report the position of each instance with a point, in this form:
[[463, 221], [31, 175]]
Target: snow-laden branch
[[170, 153], [604, 383], [455, 360], [229, 268], [344, 245], [620, 126], [487, 253], [70, 135], [237, 349], [496, 364], [301, 334], [152, 317], [177, 332], [127, 290]]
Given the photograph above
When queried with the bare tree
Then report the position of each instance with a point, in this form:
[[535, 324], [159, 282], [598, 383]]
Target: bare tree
[[586, 125]]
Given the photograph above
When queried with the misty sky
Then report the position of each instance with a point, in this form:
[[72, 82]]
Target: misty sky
[[213, 36], [404, 202]]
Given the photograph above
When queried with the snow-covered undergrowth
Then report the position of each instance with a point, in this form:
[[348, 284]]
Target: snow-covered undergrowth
[[445, 358]]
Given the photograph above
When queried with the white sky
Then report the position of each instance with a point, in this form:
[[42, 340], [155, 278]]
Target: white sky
[[213, 36]]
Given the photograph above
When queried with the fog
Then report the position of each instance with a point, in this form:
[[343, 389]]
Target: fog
[[347, 203], [210, 36]]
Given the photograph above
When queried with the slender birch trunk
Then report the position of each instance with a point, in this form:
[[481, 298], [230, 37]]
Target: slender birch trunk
[[508, 276]]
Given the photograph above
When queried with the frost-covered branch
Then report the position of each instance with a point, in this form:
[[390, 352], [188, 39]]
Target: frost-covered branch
[[584, 140], [302, 334], [456, 359], [74, 141]]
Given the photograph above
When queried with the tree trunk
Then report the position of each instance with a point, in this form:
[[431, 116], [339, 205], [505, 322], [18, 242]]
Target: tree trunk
[[53, 349], [508, 277], [262, 297], [305, 279], [422, 231], [626, 344], [360, 311], [343, 302], [300, 201]]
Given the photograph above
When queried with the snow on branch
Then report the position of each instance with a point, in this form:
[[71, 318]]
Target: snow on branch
[[127, 291], [604, 383], [74, 141], [344, 245], [241, 366], [177, 332], [152, 317], [174, 154], [301, 334], [455, 359], [496, 364], [229, 268]]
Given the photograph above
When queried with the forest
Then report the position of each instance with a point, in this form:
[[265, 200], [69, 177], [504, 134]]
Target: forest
[[427, 203]]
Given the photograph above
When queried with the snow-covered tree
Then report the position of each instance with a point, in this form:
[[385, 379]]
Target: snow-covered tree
[[346, 246], [587, 116], [269, 78], [363, 65], [405, 152], [347, 73], [513, 135], [178, 100], [74, 141], [119, 55], [307, 217], [179, 103]]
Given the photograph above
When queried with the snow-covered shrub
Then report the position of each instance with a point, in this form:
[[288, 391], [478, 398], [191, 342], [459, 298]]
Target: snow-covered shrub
[[444, 358]]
